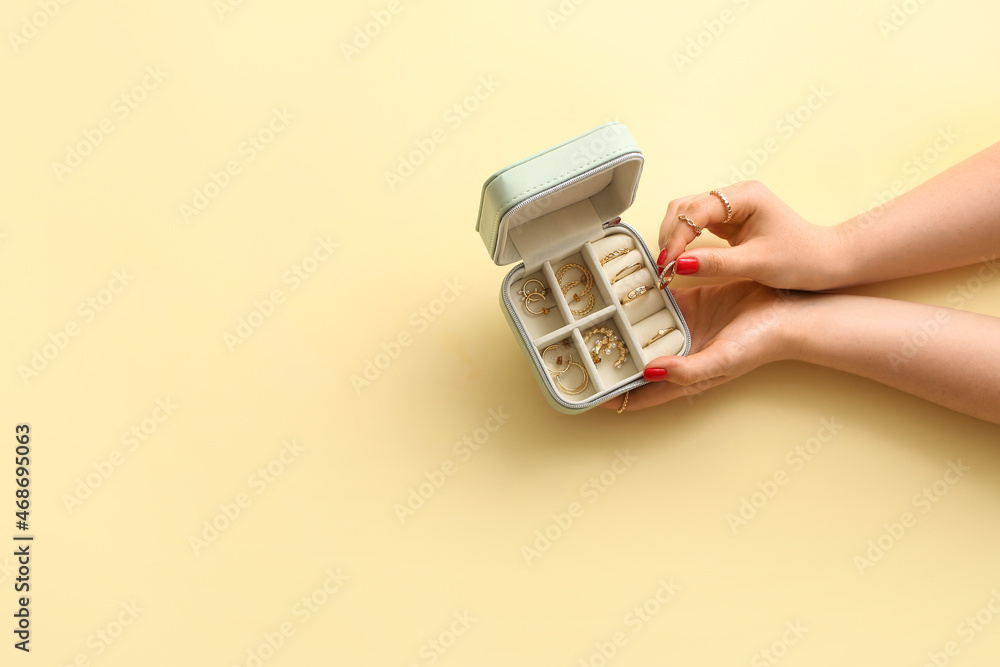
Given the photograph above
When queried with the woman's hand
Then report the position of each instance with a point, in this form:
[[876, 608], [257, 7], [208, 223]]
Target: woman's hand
[[735, 328], [770, 242]]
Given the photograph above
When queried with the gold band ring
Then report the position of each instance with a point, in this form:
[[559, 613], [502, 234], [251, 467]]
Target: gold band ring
[[697, 230], [660, 334], [725, 202], [627, 271], [635, 294], [616, 253]]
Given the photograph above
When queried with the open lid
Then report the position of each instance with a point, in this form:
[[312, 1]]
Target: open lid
[[559, 198]]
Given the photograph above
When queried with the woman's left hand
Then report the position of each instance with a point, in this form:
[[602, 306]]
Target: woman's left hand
[[735, 328]]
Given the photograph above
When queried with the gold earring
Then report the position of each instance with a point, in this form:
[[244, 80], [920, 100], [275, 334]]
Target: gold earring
[[588, 284], [608, 342], [574, 390], [529, 296], [559, 359]]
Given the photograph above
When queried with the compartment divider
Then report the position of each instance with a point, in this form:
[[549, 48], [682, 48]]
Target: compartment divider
[[587, 362], [556, 292]]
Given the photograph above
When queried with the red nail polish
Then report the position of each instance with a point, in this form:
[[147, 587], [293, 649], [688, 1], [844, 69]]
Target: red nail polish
[[662, 259], [687, 265], [654, 374]]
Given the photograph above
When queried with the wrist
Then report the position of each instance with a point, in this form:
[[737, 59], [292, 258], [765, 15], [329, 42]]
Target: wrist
[[845, 250]]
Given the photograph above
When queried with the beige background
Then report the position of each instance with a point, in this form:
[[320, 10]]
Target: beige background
[[107, 544]]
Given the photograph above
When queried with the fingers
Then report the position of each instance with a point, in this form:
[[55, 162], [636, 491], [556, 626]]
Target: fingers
[[716, 262], [707, 210]]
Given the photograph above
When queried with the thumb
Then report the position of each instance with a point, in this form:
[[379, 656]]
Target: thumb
[[719, 361], [738, 261]]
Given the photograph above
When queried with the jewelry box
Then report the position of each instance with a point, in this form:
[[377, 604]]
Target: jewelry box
[[585, 303]]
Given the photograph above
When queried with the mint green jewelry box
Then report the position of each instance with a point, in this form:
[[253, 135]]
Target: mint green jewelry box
[[562, 207]]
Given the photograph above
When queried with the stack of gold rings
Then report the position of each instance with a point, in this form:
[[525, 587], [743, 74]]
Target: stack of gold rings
[[608, 342], [558, 372], [587, 280], [532, 295]]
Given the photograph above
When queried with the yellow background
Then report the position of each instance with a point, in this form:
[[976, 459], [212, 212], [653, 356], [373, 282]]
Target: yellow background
[[333, 507]]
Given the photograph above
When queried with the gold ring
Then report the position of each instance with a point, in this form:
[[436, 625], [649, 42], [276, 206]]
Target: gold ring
[[635, 294], [559, 359], [729, 209], [697, 230], [627, 271], [575, 390], [660, 334], [617, 253], [665, 279], [624, 404]]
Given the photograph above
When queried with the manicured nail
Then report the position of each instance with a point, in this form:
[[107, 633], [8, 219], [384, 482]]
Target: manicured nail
[[662, 259], [654, 374], [687, 265]]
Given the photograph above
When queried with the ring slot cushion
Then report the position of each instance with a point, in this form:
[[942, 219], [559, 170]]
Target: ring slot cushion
[[564, 205]]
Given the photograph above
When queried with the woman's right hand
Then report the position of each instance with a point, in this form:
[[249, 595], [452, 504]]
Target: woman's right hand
[[770, 243]]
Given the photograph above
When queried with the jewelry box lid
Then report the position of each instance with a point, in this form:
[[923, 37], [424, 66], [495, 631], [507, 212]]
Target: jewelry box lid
[[560, 197]]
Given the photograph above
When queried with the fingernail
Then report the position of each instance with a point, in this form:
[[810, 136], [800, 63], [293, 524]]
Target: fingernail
[[662, 259], [654, 374], [687, 265]]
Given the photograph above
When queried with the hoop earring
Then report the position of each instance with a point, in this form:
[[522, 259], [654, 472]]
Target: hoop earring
[[608, 342], [574, 390], [529, 296]]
